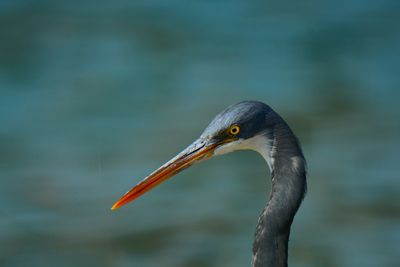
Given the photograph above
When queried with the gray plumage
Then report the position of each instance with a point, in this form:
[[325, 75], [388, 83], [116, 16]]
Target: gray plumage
[[288, 169]]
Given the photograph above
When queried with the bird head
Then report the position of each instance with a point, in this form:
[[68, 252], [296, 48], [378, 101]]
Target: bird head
[[245, 125]]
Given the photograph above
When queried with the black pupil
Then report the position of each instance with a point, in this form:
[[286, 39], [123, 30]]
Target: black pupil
[[234, 130]]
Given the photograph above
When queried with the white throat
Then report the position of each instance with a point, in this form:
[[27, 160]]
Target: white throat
[[259, 143]]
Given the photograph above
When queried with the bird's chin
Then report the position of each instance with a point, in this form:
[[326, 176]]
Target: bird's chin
[[228, 147]]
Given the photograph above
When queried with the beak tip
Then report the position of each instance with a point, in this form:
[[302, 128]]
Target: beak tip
[[115, 207]]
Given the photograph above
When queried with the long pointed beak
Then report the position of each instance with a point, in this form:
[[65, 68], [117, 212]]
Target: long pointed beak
[[198, 151]]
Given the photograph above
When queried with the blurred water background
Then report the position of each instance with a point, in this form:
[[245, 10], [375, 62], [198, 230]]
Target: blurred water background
[[96, 94]]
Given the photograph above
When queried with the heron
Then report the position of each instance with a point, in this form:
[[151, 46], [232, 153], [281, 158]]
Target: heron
[[249, 125]]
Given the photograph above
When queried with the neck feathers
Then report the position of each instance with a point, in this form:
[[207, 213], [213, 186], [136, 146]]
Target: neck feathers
[[288, 168]]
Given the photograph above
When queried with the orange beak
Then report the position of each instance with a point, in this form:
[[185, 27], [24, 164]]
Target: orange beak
[[198, 151]]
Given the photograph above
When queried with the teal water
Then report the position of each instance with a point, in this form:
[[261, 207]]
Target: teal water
[[96, 94]]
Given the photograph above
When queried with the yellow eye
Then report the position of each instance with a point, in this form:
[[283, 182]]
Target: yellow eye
[[234, 130]]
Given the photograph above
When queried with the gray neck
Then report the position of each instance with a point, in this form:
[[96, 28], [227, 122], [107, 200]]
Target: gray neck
[[288, 168]]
